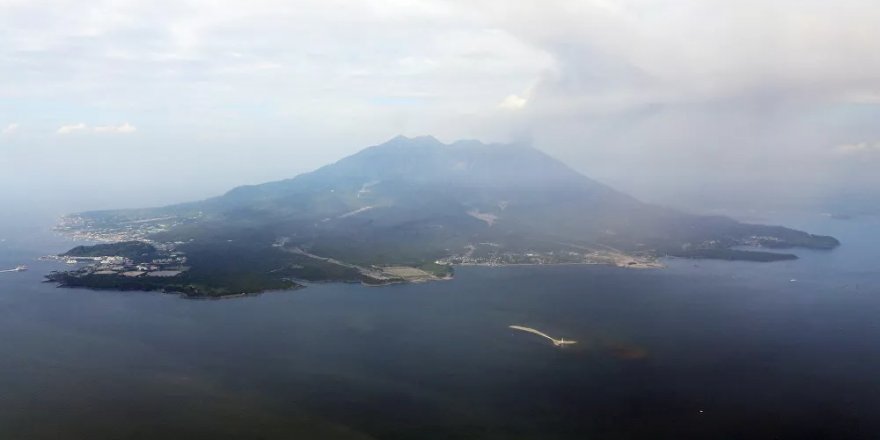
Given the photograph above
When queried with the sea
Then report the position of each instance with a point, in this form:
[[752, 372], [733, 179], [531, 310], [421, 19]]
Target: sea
[[701, 349]]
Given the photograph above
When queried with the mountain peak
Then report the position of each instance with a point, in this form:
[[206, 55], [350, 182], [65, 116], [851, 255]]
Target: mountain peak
[[466, 162], [431, 141], [425, 140]]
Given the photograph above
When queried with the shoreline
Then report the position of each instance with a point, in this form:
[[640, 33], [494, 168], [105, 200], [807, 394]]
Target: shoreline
[[304, 285], [622, 266]]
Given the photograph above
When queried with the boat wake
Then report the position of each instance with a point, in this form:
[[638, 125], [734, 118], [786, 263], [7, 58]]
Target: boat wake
[[17, 269], [557, 342]]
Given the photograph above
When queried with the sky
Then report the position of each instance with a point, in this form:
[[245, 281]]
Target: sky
[[128, 103]]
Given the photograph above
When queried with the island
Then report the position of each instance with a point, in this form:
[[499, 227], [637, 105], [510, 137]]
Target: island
[[408, 210]]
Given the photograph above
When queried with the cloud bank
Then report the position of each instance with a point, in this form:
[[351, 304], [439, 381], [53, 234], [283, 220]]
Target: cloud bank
[[858, 148], [124, 128], [642, 93], [72, 128]]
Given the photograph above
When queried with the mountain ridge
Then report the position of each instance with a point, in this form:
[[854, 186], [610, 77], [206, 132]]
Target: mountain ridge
[[418, 202]]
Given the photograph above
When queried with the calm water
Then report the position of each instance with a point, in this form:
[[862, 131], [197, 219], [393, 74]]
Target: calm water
[[700, 350]]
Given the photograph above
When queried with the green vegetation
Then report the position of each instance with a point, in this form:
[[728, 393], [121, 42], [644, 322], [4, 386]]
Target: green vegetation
[[733, 254], [188, 286], [236, 267], [136, 251], [438, 270], [809, 241], [216, 268], [309, 269]]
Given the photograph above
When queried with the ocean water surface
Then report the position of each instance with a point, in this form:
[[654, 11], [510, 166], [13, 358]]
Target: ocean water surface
[[702, 349]]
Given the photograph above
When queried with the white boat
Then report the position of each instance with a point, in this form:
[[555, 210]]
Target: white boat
[[71, 261], [21, 268]]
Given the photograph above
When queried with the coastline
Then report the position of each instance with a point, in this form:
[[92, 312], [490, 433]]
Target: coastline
[[641, 266], [302, 284]]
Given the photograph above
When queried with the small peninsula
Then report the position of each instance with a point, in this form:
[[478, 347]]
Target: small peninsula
[[206, 270]]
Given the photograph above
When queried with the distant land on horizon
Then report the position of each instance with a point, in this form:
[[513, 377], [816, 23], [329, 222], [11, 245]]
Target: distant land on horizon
[[406, 210]]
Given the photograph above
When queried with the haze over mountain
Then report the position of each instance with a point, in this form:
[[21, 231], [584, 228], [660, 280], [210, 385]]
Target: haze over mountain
[[417, 202]]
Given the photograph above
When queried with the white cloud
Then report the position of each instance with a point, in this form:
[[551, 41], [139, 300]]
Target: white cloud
[[10, 129], [72, 128], [857, 148], [513, 102], [593, 51], [122, 128]]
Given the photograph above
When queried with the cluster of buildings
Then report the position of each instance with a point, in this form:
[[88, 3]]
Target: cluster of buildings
[[505, 258], [167, 266], [172, 265], [83, 229], [494, 257]]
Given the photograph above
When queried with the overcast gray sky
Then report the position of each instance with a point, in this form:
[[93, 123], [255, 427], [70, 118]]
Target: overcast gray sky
[[126, 103]]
